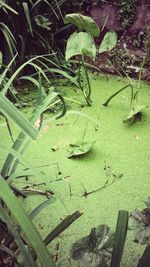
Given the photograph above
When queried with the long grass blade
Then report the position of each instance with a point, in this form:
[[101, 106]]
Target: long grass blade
[[7, 86], [11, 112], [21, 142], [120, 236], [25, 223], [62, 226], [2, 76], [2, 3], [27, 14], [42, 206], [27, 258]]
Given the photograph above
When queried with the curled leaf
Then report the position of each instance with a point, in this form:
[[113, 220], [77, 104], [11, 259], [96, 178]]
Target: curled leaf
[[135, 114], [84, 23], [80, 148]]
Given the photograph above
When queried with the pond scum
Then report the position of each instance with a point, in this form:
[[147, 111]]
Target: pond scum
[[74, 179]]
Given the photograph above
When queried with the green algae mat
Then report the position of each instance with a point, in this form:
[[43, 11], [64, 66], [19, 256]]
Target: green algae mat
[[113, 175]]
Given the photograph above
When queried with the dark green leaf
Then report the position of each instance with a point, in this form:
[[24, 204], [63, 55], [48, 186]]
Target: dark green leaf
[[120, 236]]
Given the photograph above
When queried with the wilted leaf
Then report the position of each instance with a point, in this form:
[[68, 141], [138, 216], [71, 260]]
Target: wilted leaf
[[80, 148], [94, 249], [84, 23], [108, 43], [43, 22], [139, 221], [80, 43], [135, 114]]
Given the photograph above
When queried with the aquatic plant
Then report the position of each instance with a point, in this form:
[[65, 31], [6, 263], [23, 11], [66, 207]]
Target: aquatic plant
[[20, 239], [136, 109], [82, 43], [102, 247]]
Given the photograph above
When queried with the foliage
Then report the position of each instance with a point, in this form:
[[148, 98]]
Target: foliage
[[80, 148], [21, 240], [135, 114], [82, 43], [102, 246], [31, 28]]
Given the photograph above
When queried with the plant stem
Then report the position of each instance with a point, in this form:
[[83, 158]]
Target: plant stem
[[117, 92]]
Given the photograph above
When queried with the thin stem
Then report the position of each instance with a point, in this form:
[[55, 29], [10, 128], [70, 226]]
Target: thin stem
[[116, 93], [87, 96]]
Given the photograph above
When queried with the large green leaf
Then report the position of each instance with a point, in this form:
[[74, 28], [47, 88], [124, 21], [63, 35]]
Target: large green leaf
[[108, 42], [25, 223], [84, 23], [80, 148], [11, 112], [80, 43]]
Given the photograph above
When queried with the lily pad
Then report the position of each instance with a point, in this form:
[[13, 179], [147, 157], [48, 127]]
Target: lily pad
[[80, 148], [80, 43], [135, 114], [84, 23]]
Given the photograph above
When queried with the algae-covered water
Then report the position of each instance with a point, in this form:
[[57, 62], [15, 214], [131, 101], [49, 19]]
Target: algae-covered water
[[124, 149]]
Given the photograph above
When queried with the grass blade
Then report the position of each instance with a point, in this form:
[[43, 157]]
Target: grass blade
[[2, 3], [62, 226], [120, 236], [27, 257], [43, 205], [27, 14], [25, 223], [11, 112]]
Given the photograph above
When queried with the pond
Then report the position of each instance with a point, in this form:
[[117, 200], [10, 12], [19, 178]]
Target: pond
[[120, 155]]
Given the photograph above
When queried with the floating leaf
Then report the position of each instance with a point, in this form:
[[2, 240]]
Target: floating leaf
[[84, 23], [80, 148], [108, 43], [43, 22], [94, 249], [80, 43], [139, 221], [135, 114]]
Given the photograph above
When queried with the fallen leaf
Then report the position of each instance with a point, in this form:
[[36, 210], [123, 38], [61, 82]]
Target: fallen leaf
[[80, 148]]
